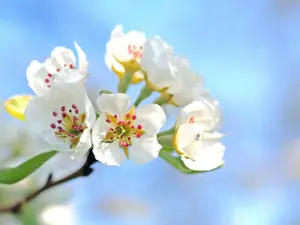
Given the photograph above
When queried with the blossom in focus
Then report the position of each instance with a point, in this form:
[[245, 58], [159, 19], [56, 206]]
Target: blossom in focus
[[196, 139], [64, 117], [157, 62], [59, 66], [124, 51], [119, 128]]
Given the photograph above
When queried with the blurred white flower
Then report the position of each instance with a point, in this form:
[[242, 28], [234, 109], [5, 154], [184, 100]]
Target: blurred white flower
[[63, 117], [59, 66], [119, 128], [124, 51], [9, 219], [20, 144], [195, 137], [57, 215]]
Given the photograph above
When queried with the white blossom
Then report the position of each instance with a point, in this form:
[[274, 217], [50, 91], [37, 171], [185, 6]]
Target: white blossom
[[157, 62], [124, 51], [59, 66], [64, 117], [196, 139], [119, 128]]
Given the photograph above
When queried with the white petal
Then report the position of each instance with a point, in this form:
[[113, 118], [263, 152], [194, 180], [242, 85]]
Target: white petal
[[36, 74], [193, 148], [109, 60], [99, 130], [82, 61], [212, 136], [185, 135], [196, 92], [39, 112], [113, 103], [152, 117], [39, 117], [109, 153], [144, 149], [90, 111], [183, 76], [112, 64], [83, 146], [63, 93], [156, 61], [120, 48], [208, 158], [62, 56], [205, 114], [70, 76], [117, 32]]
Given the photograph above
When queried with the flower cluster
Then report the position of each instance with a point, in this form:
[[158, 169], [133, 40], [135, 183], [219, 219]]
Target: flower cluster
[[63, 115]]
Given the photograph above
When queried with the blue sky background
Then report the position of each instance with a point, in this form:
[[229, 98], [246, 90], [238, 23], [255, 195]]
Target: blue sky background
[[249, 55]]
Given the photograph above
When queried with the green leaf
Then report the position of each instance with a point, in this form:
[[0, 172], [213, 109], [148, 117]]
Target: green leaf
[[176, 162], [16, 174]]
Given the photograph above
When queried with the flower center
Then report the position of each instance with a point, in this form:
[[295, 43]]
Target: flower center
[[50, 76], [69, 124], [199, 137], [192, 119], [135, 51], [123, 129]]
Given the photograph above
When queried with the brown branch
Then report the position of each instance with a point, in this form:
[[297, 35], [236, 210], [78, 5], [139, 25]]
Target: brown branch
[[83, 171]]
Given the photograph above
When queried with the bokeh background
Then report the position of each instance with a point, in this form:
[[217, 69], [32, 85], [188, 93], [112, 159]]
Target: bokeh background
[[249, 55]]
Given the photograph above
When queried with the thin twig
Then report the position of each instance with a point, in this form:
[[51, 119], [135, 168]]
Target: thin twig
[[83, 171]]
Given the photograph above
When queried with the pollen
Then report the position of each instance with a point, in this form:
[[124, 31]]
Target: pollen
[[136, 52], [49, 77], [68, 125], [123, 130], [48, 80], [192, 119]]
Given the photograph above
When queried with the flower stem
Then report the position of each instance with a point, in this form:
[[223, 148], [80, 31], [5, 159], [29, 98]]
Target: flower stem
[[125, 82], [145, 93], [83, 171], [166, 132], [160, 101], [163, 99]]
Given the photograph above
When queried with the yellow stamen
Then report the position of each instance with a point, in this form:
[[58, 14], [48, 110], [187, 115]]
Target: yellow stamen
[[126, 152], [81, 118], [112, 119], [128, 116]]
